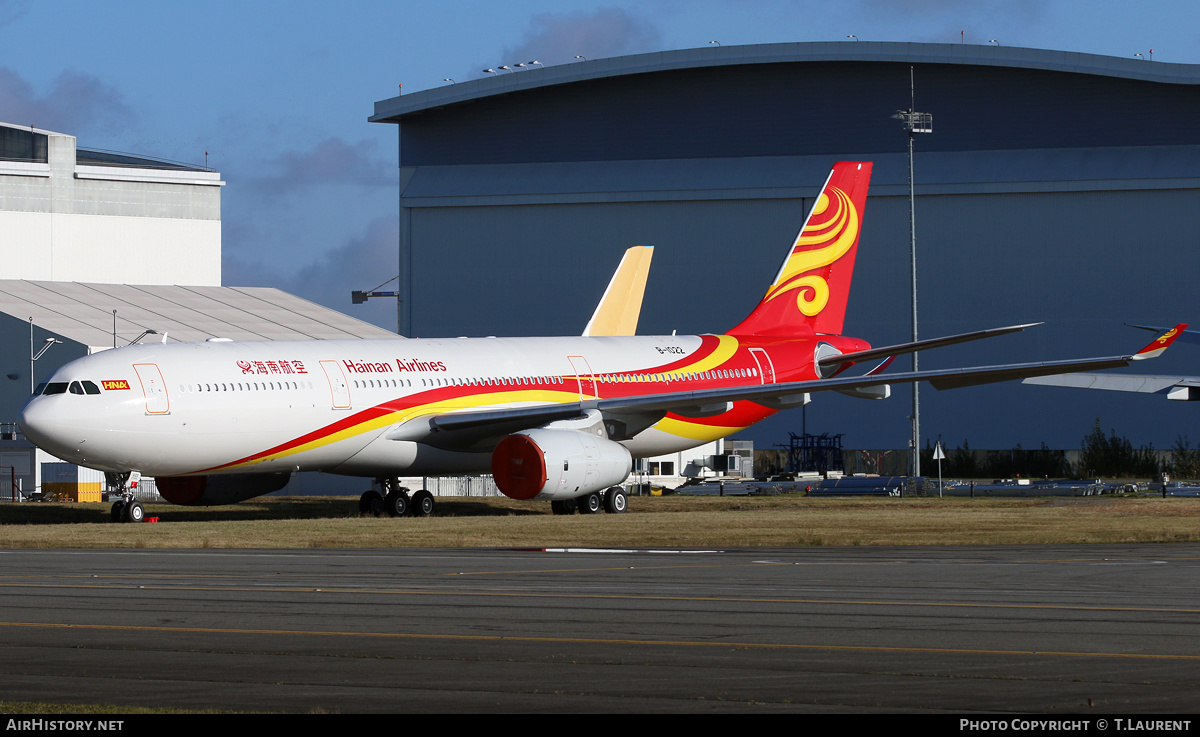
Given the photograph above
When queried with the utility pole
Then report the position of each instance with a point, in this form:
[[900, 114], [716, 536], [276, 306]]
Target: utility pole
[[33, 357], [914, 123]]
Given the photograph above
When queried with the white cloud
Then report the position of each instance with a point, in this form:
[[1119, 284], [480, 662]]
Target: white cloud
[[556, 38], [331, 161], [362, 263]]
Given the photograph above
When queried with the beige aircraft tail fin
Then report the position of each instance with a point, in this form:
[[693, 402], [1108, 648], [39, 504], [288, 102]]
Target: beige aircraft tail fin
[[621, 305]]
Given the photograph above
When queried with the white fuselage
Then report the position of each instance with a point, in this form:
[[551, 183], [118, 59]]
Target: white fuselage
[[229, 407]]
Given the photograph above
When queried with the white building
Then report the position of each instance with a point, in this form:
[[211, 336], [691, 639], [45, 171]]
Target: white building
[[86, 317], [99, 248], [71, 214]]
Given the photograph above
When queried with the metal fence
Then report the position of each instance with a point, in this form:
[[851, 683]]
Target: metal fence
[[8, 483], [147, 491], [461, 486]]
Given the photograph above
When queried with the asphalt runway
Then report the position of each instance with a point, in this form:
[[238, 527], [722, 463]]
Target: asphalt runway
[[995, 630]]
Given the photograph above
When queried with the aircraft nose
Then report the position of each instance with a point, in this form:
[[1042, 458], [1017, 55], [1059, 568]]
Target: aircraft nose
[[44, 427]]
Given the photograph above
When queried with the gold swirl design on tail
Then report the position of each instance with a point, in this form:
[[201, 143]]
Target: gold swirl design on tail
[[820, 294], [830, 234]]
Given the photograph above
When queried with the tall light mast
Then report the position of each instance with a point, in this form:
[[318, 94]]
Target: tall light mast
[[914, 123]]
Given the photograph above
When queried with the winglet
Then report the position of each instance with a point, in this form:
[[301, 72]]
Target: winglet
[[1160, 344], [621, 305], [1187, 336]]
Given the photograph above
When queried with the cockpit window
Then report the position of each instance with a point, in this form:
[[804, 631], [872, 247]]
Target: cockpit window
[[62, 387]]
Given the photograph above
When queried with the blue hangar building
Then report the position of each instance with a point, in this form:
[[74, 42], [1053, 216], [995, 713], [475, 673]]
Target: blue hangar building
[[1056, 187]]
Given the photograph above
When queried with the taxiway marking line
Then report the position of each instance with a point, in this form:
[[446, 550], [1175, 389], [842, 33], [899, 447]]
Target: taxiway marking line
[[447, 574], [599, 641], [614, 597]]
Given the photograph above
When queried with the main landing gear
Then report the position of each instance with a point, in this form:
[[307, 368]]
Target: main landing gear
[[394, 501], [127, 508], [613, 501]]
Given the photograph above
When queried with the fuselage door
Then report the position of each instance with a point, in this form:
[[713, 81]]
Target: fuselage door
[[339, 388], [154, 388], [587, 381], [765, 368]]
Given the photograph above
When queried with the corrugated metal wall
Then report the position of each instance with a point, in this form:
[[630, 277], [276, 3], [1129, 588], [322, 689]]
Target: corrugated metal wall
[[542, 269], [1084, 262], [1043, 196]]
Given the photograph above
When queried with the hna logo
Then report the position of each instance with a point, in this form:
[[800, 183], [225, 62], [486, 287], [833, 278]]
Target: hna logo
[[112, 384], [829, 234]]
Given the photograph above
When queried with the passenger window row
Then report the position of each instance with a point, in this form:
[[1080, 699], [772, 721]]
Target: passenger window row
[[679, 376], [539, 380], [249, 386], [489, 381]]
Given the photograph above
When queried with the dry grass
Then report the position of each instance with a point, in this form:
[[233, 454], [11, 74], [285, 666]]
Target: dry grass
[[689, 522], [42, 708]]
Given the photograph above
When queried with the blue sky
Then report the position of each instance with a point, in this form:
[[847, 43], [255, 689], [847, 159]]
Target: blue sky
[[278, 93]]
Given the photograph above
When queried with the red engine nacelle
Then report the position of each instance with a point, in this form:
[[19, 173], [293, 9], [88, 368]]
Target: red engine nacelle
[[558, 464], [207, 491]]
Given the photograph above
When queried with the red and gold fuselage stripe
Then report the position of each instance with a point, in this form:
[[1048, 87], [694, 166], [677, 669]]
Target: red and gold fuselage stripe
[[717, 353]]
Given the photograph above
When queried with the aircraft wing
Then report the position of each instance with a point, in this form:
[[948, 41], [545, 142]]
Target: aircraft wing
[[1186, 388], [1175, 387], [472, 427]]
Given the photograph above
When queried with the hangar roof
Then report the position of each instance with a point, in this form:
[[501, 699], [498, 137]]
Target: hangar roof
[[802, 99], [84, 313], [395, 108]]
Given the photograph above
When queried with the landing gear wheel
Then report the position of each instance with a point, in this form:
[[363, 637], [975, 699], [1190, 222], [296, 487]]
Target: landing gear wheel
[[590, 504], [614, 500], [422, 504], [134, 512], [396, 503], [371, 502], [564, 506], [118, 512]]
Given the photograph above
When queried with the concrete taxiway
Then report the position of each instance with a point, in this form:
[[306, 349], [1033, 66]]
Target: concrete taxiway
[[1094, 629]]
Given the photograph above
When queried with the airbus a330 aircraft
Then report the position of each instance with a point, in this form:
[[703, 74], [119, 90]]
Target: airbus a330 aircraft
[[556, 419]]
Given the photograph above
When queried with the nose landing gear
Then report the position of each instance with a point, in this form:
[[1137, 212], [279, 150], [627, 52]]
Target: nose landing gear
[[127, 508]]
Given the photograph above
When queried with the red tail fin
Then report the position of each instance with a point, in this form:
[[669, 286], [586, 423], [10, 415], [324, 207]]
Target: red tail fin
[[809, 293]]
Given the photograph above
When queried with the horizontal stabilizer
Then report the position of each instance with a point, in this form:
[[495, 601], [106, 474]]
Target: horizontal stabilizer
[[920, 345]]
